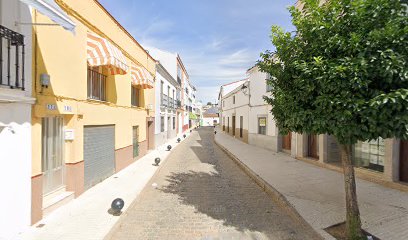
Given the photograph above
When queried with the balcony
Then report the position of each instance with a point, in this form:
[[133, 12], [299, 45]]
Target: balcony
[[164, 100], [171, 103], [12, 58], [178, 103]]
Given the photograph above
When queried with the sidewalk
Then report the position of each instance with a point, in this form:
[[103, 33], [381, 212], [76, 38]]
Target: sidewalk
[[317, 193], [87, 217]]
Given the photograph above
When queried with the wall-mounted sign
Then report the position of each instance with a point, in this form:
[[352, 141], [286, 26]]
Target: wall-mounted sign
[[51, 107], [67, 109], [262, 122], [69, 134]]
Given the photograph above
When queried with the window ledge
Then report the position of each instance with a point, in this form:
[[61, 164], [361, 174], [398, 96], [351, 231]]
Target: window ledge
[[97, 101]]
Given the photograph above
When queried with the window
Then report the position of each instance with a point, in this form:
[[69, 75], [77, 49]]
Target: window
[[162, 124], [174, 123], [179, 74], [223, 103], [135, 96], [369, 154], [268, 86], [96, 84], [223, 124], [12, 59], [233, 99], [262, 125]]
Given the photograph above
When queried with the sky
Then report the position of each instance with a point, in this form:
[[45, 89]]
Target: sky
[[218, 40]]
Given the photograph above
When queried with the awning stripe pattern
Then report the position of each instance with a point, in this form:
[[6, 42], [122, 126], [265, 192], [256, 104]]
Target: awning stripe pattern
[[103, 53], [52, 10], [141, 77]]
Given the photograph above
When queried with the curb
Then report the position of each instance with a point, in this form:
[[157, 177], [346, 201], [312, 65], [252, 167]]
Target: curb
[[276, 196], [116, 226]]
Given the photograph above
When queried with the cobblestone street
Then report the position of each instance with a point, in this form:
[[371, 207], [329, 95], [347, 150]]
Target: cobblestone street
[[202, 194]]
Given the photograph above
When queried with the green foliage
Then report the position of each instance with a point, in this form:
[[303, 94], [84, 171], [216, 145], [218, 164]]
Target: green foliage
[[344, 72]]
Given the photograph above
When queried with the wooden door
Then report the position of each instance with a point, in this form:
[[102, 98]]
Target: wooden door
[[404, 161], [233, 125], [313, 146], [287, 141]]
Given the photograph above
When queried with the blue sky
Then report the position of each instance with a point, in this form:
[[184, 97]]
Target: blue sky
[[218, 40]]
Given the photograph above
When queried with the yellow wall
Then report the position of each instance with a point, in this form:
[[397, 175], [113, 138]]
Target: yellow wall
[[62, 55]]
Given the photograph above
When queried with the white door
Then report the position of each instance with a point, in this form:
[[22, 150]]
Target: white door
[[52, 154]]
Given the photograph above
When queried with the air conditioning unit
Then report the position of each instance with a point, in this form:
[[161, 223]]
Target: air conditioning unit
[[149, 107]]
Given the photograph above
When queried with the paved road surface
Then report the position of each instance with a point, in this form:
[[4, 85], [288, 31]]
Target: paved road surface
[[203, 194]]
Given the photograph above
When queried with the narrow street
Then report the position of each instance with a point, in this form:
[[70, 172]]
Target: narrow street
[[202, 194]]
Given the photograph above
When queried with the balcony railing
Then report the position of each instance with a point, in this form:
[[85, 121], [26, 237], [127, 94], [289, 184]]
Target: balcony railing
[[11, 58], [164, 100], [178, 103], [171, 103]]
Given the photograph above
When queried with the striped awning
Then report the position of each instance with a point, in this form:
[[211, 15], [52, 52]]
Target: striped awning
[[141, 77], [103, 53], [52, 10]]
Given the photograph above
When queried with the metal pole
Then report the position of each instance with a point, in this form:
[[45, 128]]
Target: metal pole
[[1, 61], [17, 67], [22, 69], [8, 61]]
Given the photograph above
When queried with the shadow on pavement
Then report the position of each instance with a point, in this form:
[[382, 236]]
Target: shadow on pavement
[[227, 194]]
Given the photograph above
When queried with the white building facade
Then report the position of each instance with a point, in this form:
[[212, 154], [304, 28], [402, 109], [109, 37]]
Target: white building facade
[[174, 65], [16, 83], [245, 115], [167, 89], [15, 118]]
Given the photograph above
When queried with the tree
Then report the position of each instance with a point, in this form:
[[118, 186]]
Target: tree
[[209, 103], [343, 73]]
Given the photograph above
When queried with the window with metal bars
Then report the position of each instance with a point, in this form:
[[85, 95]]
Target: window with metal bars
[[135, 97], [96, 84], [12, 58]]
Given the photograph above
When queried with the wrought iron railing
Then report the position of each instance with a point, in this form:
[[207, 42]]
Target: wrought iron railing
[[11, 58], [171, 103], [97, 86], [164, 100]]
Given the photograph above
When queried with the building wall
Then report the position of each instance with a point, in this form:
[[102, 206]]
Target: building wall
[[209, 121], [15, 131], [66, 64], [259, 108], [15, 179]]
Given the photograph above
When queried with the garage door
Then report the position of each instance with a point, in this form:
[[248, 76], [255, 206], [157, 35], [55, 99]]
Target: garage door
[[99, 153]]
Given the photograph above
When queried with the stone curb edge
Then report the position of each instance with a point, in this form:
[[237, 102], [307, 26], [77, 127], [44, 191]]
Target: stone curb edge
[[272, 192], [118, 223]]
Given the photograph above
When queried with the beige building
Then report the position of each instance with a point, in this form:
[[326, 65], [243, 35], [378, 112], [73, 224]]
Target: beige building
[[94, 111], [246, 116]]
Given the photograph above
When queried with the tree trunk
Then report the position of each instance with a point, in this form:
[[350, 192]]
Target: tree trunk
[[353, 221]]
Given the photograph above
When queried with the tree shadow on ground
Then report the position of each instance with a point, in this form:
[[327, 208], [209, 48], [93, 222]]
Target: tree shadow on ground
[[223, 192]]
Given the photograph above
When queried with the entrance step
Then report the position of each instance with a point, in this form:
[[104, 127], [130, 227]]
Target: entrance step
[[55, 200]]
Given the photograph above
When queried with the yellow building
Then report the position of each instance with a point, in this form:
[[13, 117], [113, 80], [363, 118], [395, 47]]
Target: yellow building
[[94, 112]]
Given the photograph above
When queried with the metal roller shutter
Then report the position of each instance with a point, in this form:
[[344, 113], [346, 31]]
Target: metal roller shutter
[[99, 153]]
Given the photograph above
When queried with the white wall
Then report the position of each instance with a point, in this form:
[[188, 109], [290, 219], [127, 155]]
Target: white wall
[[162, 111], [15, 137], [257, 86], [209, 121], [167, 59], [15, 179]]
